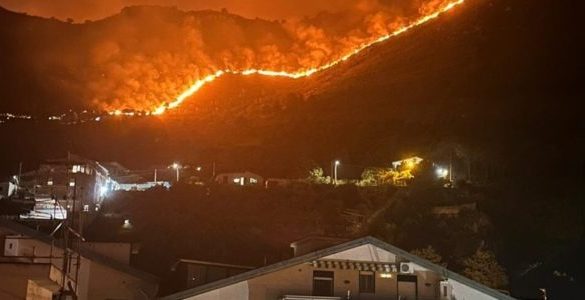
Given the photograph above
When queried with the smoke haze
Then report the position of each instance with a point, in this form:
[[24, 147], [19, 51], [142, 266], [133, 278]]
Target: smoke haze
[[81, 10], [146, 56]]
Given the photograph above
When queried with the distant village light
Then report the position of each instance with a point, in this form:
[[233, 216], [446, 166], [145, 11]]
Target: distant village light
[[127, 224]]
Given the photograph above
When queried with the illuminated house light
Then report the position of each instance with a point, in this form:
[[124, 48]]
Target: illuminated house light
[[127, 224], [385, 275]]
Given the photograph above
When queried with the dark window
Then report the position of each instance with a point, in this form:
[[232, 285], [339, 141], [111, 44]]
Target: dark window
[[367, 282], [322, 283], [444, 291]]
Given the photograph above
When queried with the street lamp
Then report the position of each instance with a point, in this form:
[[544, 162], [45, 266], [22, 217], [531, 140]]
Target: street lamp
[[337, 163], [177, 167]]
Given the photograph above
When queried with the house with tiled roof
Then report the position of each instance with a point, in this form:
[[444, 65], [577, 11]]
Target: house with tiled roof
[[364, 268]]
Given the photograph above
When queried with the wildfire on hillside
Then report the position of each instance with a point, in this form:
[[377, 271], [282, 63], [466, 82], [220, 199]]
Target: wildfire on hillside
[[321, 54]]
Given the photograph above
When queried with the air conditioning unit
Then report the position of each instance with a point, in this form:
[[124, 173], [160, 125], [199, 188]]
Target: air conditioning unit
[[406, 268]]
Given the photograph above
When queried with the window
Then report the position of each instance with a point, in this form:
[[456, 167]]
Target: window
[[367, 282], [50, 181], [322, 283], [253, 180]]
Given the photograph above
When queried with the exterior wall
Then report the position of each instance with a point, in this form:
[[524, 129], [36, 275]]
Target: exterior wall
[[118, 285], [460, 291], [41, 290], [237, 291], [14, 278], [94, 280]]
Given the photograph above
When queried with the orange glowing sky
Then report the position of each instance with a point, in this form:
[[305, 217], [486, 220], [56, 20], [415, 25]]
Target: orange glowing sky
[[81, 10]]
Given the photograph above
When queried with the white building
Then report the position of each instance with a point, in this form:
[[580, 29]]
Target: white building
[[65, 179], [242, 179], [31, 267], [365, 268]]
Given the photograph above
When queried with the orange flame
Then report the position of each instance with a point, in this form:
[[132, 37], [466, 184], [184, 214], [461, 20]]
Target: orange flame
[[197, 85]]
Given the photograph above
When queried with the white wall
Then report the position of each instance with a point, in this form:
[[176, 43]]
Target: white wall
[[238, 291], [463, 292]]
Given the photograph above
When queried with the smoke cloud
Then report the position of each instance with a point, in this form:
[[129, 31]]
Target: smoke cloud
[[149, 55]]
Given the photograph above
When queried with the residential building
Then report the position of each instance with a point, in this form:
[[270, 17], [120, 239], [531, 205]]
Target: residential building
[[72, 183], [364, 268], [32, 264], [241, 179], [189, 273]]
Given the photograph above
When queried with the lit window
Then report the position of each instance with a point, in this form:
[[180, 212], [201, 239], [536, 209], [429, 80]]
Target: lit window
[[50, 181], [72, 182], [253, 180], [85, 207], [236, 180], [76, 169], [367, 282]]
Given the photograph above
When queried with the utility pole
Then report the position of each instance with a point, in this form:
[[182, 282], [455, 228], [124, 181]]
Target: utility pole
[[451, 167]]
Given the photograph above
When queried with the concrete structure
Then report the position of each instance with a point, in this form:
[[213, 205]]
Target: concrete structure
[[365, 268], [32, 264], [241, 179], [64, 179], [7, 189]]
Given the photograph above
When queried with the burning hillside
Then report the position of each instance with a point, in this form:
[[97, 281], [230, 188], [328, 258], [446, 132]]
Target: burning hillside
[[151, 59]]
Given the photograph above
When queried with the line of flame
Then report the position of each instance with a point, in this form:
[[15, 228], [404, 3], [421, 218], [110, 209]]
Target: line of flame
[[299, 74]]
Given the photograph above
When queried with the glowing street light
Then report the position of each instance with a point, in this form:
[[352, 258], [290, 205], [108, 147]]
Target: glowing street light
[[177, 167], [337, 163], [442, 172]]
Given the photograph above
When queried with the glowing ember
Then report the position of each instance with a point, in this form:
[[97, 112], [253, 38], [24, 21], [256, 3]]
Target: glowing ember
[[197, 85]]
